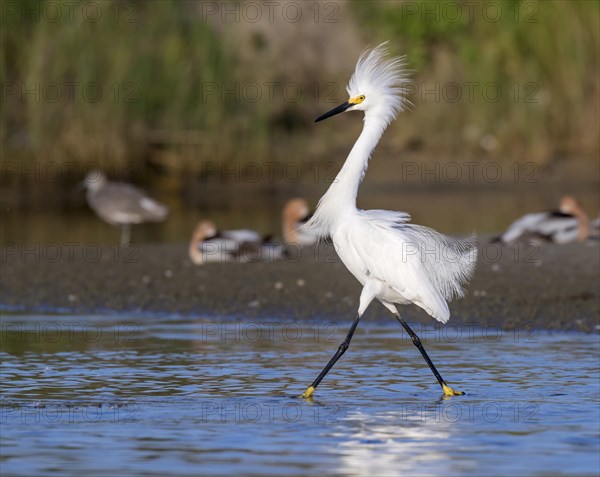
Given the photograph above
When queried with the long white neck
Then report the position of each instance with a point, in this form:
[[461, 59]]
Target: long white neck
[[340, 198]]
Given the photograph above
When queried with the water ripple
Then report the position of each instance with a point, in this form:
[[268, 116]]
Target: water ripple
[[181, 395]]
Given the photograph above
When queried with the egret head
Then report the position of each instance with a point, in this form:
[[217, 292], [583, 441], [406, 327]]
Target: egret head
[[377, 87]]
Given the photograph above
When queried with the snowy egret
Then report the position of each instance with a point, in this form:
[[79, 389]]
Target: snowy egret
[[567, 224], [296, 213], [211, 245], [395, 261], [121, 204]]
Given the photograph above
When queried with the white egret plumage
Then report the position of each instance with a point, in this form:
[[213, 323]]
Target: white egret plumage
[[396, 262]]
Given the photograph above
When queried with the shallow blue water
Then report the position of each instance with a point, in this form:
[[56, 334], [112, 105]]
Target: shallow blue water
[[121, 395]]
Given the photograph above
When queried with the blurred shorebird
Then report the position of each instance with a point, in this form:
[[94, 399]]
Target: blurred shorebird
[[295, 214], [395, 261], [208, 244], [595, 228], [567, 224], [121, 204]]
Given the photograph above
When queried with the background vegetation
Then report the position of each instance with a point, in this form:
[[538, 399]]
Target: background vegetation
[[181, 85]]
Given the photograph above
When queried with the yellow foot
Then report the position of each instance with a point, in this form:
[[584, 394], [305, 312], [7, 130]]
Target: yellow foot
[[308, 393], [448, 391]]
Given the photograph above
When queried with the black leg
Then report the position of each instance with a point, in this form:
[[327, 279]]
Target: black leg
[[448, 391], [338, 354]]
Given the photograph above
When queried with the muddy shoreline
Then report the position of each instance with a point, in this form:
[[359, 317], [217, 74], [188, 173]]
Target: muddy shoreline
[[548, 287]]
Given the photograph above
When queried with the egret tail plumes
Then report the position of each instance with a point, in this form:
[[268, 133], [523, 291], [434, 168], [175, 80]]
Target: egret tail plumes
[[449, 262]]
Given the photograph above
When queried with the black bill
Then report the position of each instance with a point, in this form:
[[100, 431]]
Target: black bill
[[339, 109]]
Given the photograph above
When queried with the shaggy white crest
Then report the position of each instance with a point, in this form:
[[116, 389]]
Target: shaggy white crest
[[382, 80]]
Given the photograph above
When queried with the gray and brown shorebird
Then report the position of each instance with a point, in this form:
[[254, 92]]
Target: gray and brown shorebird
[[121, 204]]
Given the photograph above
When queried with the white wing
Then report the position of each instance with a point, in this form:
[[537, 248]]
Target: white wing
[[566, 235], [242, 235], [385, 218], [526, 224], [560, 228], [423, 266]]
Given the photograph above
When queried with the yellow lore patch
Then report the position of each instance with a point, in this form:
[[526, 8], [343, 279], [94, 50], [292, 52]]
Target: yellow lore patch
[[357, 99]]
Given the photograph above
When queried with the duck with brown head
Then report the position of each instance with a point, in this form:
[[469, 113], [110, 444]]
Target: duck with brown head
[[295, 214], [567, 224], [208, 244]]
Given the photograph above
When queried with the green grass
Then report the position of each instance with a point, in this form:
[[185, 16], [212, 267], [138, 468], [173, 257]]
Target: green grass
[[544, 55], [154, 74]]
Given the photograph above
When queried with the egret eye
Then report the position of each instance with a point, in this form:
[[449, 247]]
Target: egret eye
[[362, 97]]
